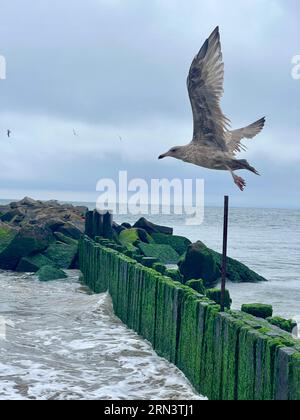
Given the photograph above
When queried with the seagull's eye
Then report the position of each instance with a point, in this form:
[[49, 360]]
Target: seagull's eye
[[174, 149]]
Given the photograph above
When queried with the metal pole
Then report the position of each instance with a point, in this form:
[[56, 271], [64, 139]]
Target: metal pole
[[224, 259]]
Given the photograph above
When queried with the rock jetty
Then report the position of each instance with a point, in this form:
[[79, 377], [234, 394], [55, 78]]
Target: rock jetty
[[34, 234]]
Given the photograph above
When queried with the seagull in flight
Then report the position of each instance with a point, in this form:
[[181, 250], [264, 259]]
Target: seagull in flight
[[8, 133], [214, 145], [74, 132]]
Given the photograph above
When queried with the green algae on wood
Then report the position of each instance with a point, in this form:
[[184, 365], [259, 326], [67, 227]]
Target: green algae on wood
[[226, 356], [287, 325], [216, 296], [197, 285]]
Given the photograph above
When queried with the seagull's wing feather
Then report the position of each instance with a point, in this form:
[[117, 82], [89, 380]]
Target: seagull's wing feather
[[205, 87], [234, 137]]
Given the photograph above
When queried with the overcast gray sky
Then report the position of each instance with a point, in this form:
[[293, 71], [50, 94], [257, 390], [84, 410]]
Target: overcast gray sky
[[111, 68]]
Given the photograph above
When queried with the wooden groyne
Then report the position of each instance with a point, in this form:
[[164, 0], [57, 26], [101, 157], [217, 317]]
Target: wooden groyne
[[226, 356]]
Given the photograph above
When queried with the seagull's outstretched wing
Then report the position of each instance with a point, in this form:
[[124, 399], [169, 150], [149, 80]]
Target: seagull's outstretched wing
[[205, 86], [234, 137]]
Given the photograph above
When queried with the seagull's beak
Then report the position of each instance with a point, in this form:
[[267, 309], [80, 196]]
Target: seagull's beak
[[163, 156]]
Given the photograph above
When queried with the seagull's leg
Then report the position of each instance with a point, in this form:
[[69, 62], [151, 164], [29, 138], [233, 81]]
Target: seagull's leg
[[240, 182]]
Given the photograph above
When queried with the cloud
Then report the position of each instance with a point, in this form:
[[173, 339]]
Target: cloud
[[115, 68]]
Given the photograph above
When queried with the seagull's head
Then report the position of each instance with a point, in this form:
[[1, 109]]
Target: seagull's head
[[174, 152]]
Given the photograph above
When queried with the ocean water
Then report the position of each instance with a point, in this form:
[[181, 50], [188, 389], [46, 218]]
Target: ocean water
[[61, 342], [267, 240], [64, 343]]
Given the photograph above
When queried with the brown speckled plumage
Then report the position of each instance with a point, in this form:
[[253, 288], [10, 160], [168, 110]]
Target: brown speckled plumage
[[214, 145]]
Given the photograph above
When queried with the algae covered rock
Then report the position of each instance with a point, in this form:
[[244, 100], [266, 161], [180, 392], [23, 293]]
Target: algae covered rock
[[164, 253], [259, 310], [63, 255], [199, 263], [131, 237], [215, 295], [13, 216], [28, 240], [48, 273], [197, 285], [31, 264], [126, 225], [7, 234], [66, 239], [151, 228], [287, 325], [69, 229], [179, 243]]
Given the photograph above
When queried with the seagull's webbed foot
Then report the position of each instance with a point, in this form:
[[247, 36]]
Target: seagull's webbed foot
[[240, 182]]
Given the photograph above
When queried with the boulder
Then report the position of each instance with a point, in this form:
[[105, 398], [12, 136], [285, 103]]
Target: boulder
[[65, 239], [179, 243], [52, 224], [126, 225], [131, 237], [259, 310], [164, 253], [63, 255], [150, 227], [3, 210], [69, 229], [28, 240], [29, 202], [200, 261], [31, 226], [118, 228], [7, 234], [82, 210], [32, 264], [49, 273], [12, 216], [34, 212], [52, 203]]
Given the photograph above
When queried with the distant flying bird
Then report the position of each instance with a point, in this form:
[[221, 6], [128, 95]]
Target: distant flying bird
[[120, 138], [8, 133], [74, 132], [214, 146]]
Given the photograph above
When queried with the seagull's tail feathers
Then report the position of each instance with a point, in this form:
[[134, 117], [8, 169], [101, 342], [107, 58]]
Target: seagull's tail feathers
[[244, 164]]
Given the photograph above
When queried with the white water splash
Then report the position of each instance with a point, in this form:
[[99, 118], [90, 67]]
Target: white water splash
[[68, 344]]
